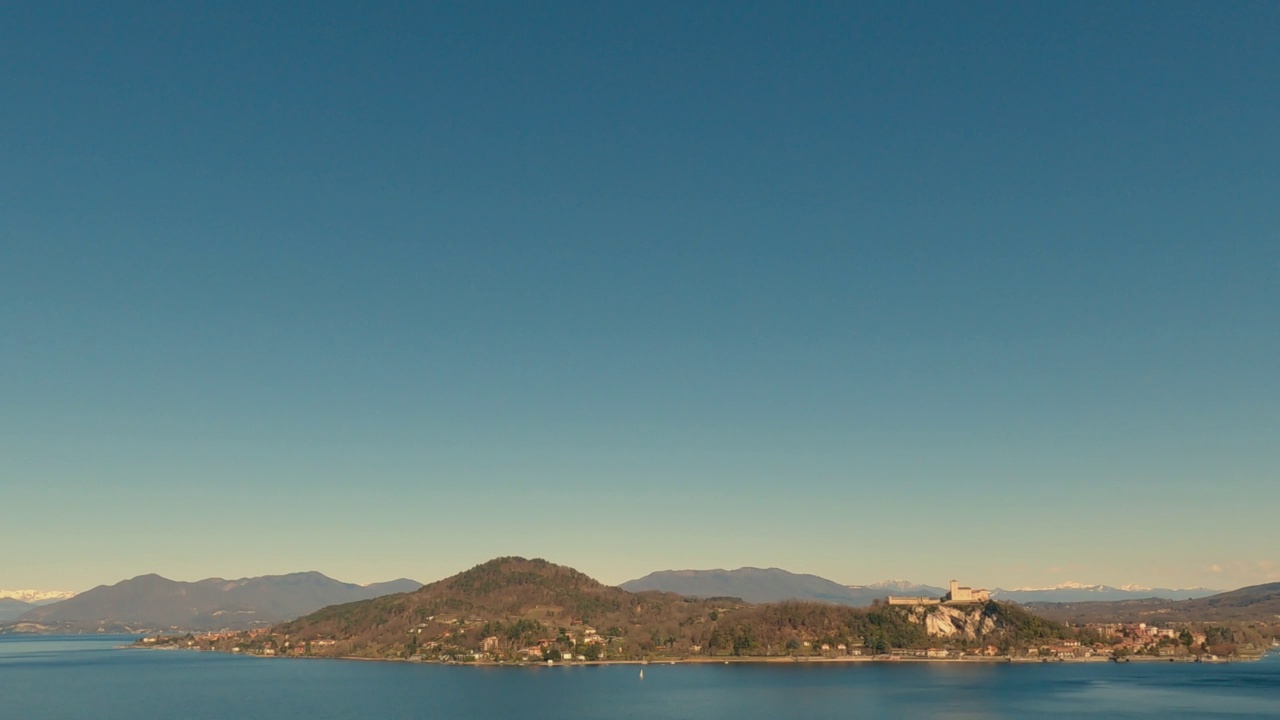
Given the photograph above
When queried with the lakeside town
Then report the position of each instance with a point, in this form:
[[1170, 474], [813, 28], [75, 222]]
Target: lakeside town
[[1123, 642]]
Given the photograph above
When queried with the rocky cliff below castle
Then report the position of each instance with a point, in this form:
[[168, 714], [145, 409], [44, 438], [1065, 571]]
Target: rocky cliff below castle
[[969, 622], [983, 622]]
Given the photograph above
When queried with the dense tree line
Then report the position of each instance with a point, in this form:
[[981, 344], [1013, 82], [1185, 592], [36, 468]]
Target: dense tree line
[[525, 603]]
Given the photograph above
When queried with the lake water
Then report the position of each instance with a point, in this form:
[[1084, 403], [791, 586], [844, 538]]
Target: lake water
[[89, 677]]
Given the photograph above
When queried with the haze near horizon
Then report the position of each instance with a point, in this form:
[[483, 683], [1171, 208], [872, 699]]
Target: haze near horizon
[[916, 290]]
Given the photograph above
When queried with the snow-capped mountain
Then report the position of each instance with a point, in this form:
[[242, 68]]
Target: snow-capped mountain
[[904, 587], [14, 603], [1071, 585], [36, 597], [1081, 592], [895, 584]]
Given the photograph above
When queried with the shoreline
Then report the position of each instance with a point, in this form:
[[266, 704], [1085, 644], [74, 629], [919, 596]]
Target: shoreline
[[753, 660], [776, 660], [748, 659]]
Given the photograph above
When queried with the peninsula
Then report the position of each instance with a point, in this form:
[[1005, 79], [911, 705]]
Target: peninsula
[[514, 610]]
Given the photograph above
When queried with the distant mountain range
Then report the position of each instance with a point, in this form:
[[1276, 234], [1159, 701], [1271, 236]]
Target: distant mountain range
[[757, 585], [1078, 592], [36, 597], [884, 588], [154, 602], [1253, 603], [16, 602], [151, 602], [10, 608]]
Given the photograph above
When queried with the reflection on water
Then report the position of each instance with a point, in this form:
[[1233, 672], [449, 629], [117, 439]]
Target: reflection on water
[[91, 677]]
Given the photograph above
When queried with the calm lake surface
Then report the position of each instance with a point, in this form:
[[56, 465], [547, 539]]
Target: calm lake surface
[[90, 677]]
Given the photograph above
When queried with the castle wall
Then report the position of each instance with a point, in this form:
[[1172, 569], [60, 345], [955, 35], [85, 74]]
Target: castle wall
[[913, 601]]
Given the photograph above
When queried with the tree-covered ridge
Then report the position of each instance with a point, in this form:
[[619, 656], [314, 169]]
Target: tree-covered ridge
[[789, 627], [517, 601], [518, 609], [507, 572], [510, 584], [1016, 622]]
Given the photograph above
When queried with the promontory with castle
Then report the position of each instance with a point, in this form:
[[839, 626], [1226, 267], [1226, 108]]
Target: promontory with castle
[[957, 595]]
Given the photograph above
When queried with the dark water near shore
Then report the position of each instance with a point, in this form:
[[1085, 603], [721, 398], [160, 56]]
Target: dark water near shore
[[56, 678]]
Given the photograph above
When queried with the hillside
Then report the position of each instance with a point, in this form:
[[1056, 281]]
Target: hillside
[[153, 602], [1260, 603], [13, 603], [513, 608], [756, 585], [11, 608], [521, 600]]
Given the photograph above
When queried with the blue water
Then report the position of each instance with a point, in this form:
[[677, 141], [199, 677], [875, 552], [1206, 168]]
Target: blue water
[[91, 677]]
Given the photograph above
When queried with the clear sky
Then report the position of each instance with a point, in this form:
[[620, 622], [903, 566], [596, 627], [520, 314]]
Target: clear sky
[[925, 290]]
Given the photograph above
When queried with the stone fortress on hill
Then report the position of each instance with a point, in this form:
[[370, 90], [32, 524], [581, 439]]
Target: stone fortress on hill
[[957, 596]]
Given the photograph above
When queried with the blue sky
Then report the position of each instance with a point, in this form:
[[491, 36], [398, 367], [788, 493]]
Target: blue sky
[[978, 290]]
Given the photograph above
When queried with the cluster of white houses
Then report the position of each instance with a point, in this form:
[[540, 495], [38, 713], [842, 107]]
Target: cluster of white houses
[[957, 596]]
